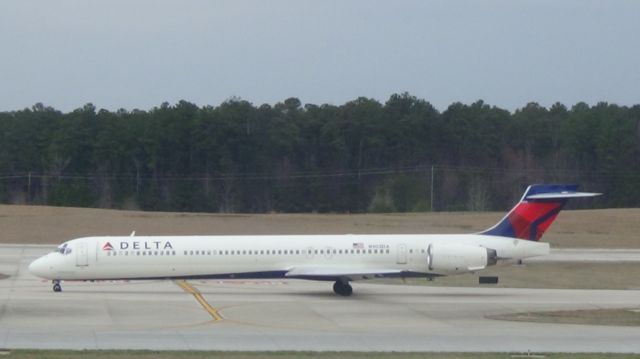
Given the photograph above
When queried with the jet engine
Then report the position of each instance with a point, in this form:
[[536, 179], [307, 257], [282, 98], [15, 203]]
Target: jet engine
[[459, 258]]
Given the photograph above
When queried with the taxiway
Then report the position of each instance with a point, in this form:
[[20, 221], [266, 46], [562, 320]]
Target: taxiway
[[292, 315]]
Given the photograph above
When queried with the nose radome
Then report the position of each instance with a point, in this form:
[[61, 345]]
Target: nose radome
[[38, 267]]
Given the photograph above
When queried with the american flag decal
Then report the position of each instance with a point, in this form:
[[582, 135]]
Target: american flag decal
[[358, 245]]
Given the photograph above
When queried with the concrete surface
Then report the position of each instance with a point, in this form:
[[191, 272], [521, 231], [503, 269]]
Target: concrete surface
[[292, 315], [594, 255]]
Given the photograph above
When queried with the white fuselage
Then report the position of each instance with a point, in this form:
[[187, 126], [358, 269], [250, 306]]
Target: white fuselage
[[97, 258]]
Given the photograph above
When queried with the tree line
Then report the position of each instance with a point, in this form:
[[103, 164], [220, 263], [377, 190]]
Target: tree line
[[361, 156]]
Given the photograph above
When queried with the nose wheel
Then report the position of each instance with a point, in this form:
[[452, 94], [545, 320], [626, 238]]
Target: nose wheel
[[342, 288], [56, 286]]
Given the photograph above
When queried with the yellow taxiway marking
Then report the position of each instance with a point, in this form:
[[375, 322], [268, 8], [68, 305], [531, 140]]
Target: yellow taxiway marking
[[196, 294]]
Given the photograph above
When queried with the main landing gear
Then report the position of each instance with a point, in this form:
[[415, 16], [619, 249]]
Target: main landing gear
[[342, 288], [56, 285]]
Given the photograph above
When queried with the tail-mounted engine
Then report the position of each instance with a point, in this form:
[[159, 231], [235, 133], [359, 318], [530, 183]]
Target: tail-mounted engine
[[456, 258]]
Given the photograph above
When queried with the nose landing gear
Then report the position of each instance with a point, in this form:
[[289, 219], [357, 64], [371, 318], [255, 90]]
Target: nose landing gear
[[342, 288], [56, 286]]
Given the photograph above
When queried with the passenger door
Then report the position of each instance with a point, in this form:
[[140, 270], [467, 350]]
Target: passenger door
[[82, 255]]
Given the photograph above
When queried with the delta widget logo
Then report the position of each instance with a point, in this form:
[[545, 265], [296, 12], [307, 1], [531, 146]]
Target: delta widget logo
[[107, 247]]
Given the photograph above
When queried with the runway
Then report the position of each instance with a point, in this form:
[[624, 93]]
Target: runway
[[292, 315]]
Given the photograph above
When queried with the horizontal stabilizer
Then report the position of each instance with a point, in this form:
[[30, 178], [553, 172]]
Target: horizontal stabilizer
[[562, 195]]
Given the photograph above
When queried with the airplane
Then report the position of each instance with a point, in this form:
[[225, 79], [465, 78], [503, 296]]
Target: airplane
[[335, 258]]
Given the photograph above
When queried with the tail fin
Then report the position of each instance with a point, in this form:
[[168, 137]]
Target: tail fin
[[535, 212]]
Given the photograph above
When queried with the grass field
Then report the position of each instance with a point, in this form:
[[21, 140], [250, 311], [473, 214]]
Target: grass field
[[578, 275], [109, 354], [610, 228]]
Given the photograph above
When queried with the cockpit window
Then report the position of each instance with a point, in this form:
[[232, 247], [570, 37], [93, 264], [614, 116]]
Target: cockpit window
[[64, 249]]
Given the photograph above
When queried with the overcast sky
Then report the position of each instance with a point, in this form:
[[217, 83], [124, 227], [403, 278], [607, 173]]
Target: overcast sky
[[140, 53]]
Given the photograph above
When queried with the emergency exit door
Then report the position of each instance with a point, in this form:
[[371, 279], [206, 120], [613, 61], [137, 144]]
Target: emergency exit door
[[402, 254]]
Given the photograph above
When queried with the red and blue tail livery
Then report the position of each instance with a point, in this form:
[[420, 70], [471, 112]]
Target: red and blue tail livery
[[535, 212]]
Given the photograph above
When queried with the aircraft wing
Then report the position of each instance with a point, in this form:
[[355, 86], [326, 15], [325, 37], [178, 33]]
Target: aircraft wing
[[346, 272]]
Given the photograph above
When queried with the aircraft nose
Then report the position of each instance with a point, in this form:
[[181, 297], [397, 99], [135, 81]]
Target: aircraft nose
[[39, 267]]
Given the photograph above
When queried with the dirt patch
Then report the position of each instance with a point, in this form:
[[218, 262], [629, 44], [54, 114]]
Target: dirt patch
[[3, 276], [614, 317], [610, 228]]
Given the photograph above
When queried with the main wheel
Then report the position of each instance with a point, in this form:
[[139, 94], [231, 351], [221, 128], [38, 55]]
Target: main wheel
[[57, 288], [347, 290], [343, 289], [337, 287]]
